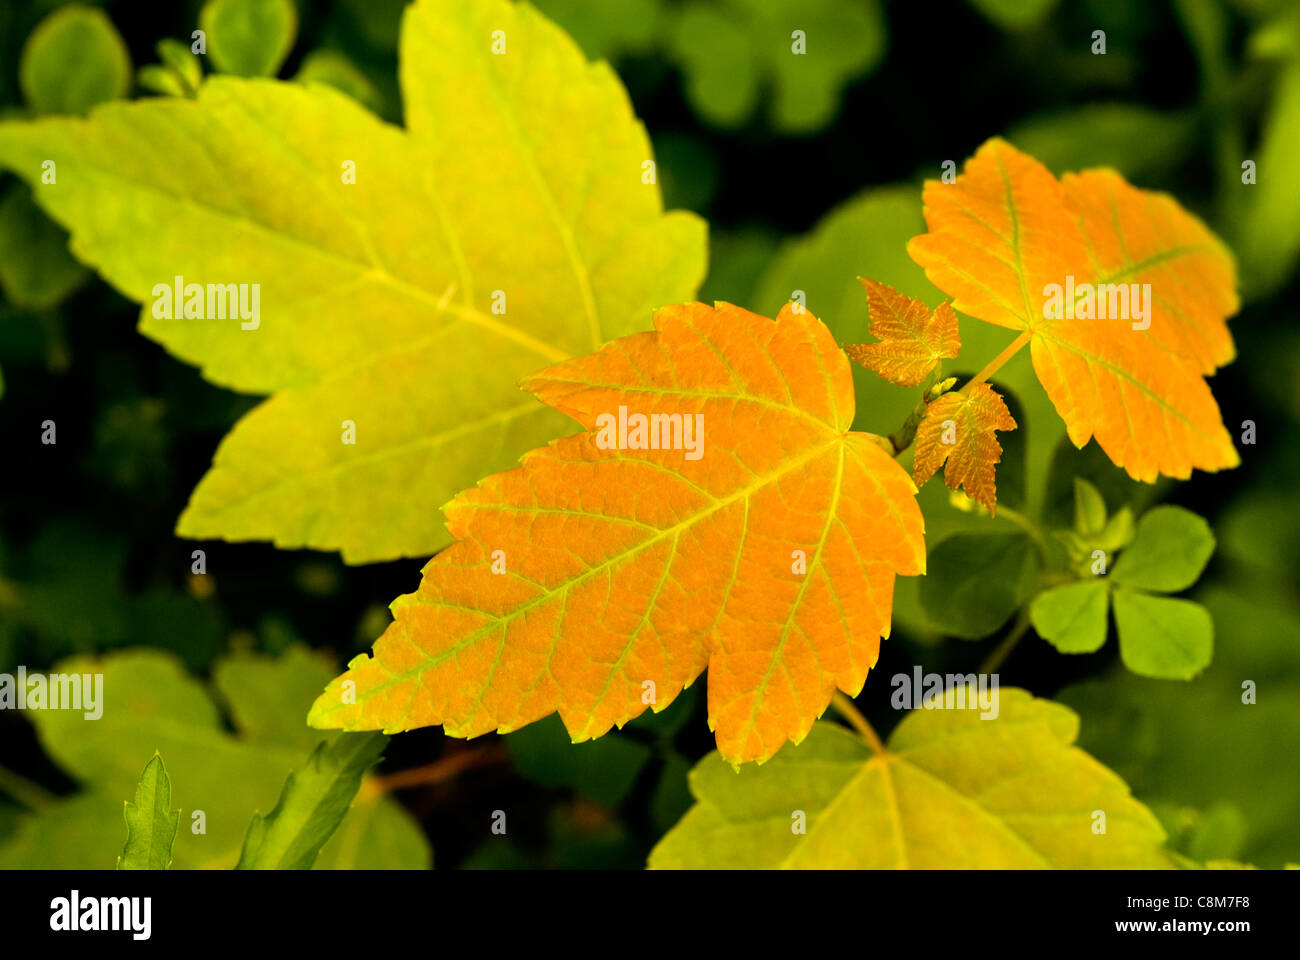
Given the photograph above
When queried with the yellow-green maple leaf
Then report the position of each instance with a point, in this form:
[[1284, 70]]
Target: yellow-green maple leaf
[[951, 790], [507, 228]]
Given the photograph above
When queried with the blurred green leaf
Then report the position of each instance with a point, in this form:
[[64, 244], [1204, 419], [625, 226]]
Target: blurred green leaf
[[1140, 142], [180, 58], [1163, 637], [249, 38], [152, 704], [179, 74], [1169, 550], [602, 770], [73, 60], [1214, 834], [36, 270], [334, 69], [1014, 14], [1089, 508], [737, 259], [1072, 618], [672, 794], [867, 236], [161, 80], [255, 688], [607, 30], [729, 49], [1267, 233], [974, 582], [151, 823]]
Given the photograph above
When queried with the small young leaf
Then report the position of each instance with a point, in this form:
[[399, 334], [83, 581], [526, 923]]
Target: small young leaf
[[1072, 618], [952, 791], [151, 823], [911, 339], [1089, 508], [157, 78], [249, 38], [976, 581], [958, 431], [74, 59], [1163, 637], [180, 58], [315, 799], [1118, 532], [179, 74], [36, 270], [1168, 552]]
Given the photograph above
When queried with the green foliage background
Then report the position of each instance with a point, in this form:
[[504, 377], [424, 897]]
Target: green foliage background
[[808, 171]]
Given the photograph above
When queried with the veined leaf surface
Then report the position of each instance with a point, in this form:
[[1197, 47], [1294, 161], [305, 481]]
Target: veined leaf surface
[[952, 790], [507, 228], [958, 432], [597, 580], [1007, 229]]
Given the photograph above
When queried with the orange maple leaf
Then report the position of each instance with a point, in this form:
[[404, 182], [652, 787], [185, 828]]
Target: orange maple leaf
[[599, 578], [1008, 241], [911, 338], [957, 432]]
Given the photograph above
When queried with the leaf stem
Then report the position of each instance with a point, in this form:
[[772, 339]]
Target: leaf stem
[[844, 706], [1022, 521], [1000, 653], [996, 363]]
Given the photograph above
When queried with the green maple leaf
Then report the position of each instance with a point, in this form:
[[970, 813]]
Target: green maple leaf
[[511, 225], [951, 790]]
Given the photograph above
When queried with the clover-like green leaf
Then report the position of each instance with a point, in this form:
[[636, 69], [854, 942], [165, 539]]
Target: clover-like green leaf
[[1072, 618], [1161, 636], [1169, 550]]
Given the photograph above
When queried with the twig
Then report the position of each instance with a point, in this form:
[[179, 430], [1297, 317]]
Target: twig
[[441, 770]]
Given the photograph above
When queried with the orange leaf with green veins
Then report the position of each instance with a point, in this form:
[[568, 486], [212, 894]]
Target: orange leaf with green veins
[[751, 533], [912, 339], [958, 432], [1122, 295]]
